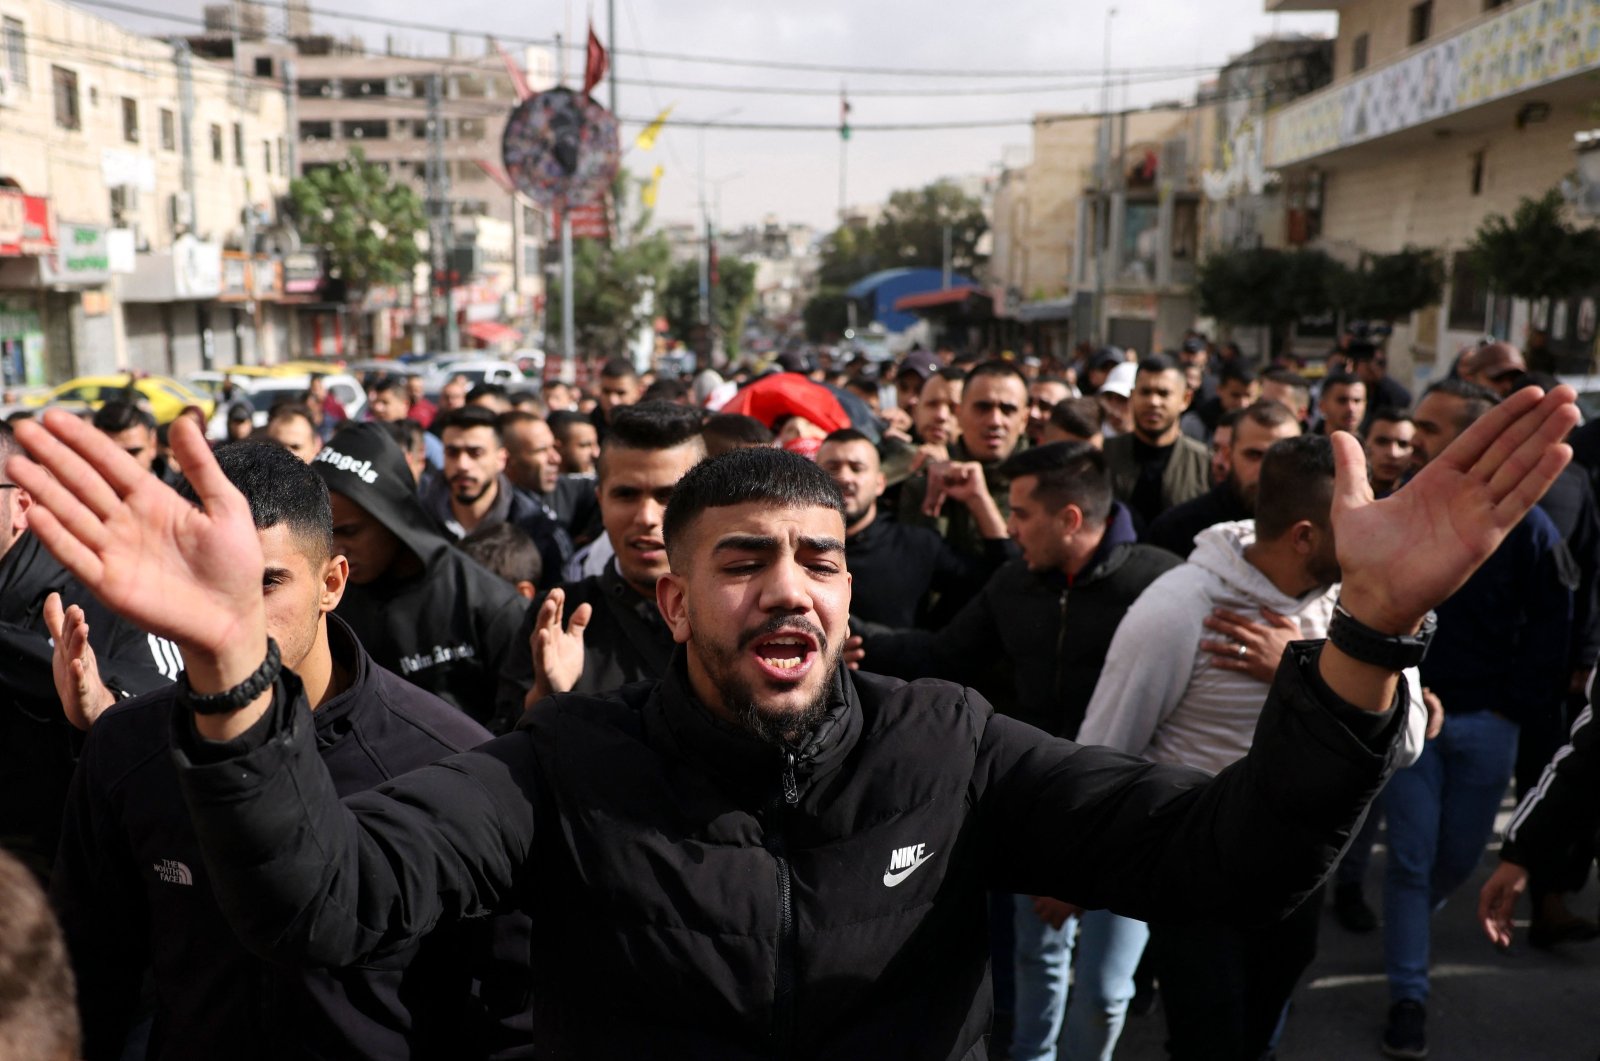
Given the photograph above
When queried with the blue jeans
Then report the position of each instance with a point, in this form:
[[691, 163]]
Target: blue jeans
[[1441, 810], [1108, 950]]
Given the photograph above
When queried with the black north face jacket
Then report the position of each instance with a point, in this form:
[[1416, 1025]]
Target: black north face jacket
[[695, 893]]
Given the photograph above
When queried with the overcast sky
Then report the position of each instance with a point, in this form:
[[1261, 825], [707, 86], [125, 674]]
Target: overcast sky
[[795, 175]]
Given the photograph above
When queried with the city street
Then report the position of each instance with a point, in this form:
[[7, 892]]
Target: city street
[[1529, 1004]]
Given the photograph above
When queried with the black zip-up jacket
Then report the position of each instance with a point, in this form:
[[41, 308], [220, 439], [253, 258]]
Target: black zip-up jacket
[[626, 640], [452, 629], [38, 747], [133, 893], [895, 566], [1031, 643], [524, 511], [696, 893]]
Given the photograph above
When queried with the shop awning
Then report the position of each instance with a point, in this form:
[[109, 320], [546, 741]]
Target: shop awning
[[950, 296], [491, 332], [1057, 309]]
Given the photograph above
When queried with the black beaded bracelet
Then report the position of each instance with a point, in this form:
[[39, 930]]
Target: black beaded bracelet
[[1392, 652], [240, 695]]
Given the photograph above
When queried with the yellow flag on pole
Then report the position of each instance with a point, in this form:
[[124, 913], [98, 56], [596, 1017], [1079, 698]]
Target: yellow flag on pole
[[647, 139], [647, 194]]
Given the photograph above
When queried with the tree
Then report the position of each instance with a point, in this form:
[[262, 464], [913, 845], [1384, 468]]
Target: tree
[[1260, 285], [731, 299], [613, 282], [1536, 253], [1389, 287], [826, 315], [366, 224]]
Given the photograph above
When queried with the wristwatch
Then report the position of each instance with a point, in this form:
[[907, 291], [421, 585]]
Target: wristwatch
[[1391, 652]]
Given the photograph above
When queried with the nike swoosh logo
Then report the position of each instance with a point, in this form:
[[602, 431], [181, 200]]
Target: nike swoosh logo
[[891, 879]]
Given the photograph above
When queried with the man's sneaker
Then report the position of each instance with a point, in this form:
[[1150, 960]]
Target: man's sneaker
[[1406, 1035], [1351, 909]]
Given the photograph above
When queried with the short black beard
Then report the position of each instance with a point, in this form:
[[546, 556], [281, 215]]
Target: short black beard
[[787, 731]]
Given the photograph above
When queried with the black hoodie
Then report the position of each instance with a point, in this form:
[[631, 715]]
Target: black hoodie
[[133, 893], [452, 629], [37, 745]]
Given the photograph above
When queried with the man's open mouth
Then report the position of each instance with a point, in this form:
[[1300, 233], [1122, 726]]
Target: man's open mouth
[[786, 655]]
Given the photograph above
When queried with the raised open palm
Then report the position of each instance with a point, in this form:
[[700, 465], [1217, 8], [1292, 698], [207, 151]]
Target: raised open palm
[[190, 574], [1407, 553]]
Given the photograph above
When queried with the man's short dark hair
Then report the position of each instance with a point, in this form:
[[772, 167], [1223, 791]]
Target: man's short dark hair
[[1236, 371], [1231, 418], [669, 389], [618, 368], [280, 489], [1266, 413], [488, 390], [651, 426], [469, 416], [9, 447], [1288, 377], [505, 549], [1361, 350], [1388, 414], [528, 401], [288, 410], [847, 434], [38, 1010], [115, 417], [389, 381], [1079, 417], [951, 374], [514, 418], [562, 421], [1296, 484], [998, 368], [1158, 363], [1067, 473], [730, 431], [742, 476], [1340, 379], [407, 434], [1475, 400]]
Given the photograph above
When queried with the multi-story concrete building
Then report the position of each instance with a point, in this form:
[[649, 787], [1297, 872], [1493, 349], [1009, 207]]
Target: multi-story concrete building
[[1441, 113], [346, 97], [144, 183]]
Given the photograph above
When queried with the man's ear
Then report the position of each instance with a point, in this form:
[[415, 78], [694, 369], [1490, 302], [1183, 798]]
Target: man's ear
[[672, 599], [21, 501], [1303, 536], [879, 485], [527, 590], [1071, 519], [335, 576]]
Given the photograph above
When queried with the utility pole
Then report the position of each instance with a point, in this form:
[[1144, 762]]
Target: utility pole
[[611, 39], [440, 235], [948, 234], [1102, 212], [569, 338]]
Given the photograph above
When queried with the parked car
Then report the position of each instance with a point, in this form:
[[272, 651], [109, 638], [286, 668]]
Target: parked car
[[476, 371], [166, 396]]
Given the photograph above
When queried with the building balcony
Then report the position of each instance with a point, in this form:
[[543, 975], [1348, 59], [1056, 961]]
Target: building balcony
[[1485, 73]]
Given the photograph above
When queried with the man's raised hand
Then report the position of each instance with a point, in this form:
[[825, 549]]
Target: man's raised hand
[[1406, 554], [190, 574], [72, 664], [557, 653]]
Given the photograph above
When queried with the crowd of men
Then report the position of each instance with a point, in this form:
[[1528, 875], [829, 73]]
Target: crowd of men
[[1130, 552]]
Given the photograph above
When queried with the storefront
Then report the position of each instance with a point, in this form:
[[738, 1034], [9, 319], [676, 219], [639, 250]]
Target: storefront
[[26, 232]]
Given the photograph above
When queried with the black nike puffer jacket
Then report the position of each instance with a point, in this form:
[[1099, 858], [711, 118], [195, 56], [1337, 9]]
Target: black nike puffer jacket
[[697, 894]]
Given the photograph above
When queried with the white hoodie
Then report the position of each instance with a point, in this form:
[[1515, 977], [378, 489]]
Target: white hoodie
[[1160, 694]]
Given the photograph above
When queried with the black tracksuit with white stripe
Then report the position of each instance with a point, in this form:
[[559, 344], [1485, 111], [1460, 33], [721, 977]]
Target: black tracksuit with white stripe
[[134, 895], [1560, 816], [696, 893]]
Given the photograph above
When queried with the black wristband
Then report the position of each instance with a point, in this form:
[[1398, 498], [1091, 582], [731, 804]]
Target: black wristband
[[1362, 643], [237, 697]]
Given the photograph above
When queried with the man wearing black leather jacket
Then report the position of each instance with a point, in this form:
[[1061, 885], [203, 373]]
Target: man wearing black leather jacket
[[765, 853]]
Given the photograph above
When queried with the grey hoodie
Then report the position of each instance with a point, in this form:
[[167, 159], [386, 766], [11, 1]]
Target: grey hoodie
[[1161, 696]]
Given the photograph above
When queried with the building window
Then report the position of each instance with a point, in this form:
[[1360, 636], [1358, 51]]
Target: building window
[[367, 130], [238, 145], [316, 88], [266, 157], [1477, 172], [65, 83], [356, 88], [1421, 22], [130, 120], [16, 44], [216, 142], [283, 156], [1358, 53], [1490, 5], [316, 130], [1469, 296], [263, 66], [169, 130]]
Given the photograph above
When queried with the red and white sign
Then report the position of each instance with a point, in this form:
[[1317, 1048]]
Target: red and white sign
[[25, 226], [590, 221]]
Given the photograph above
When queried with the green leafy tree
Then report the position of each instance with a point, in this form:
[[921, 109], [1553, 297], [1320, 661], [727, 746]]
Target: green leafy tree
[[1536, 253], [826, 315], [1275, 288], [1389, 287], [731, 299], [365, 223], [611, 282]]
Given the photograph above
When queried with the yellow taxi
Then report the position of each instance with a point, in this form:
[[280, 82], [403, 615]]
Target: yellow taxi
[[166, 397]]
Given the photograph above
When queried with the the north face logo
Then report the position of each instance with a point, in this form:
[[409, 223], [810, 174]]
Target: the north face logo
[[171, 871]]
